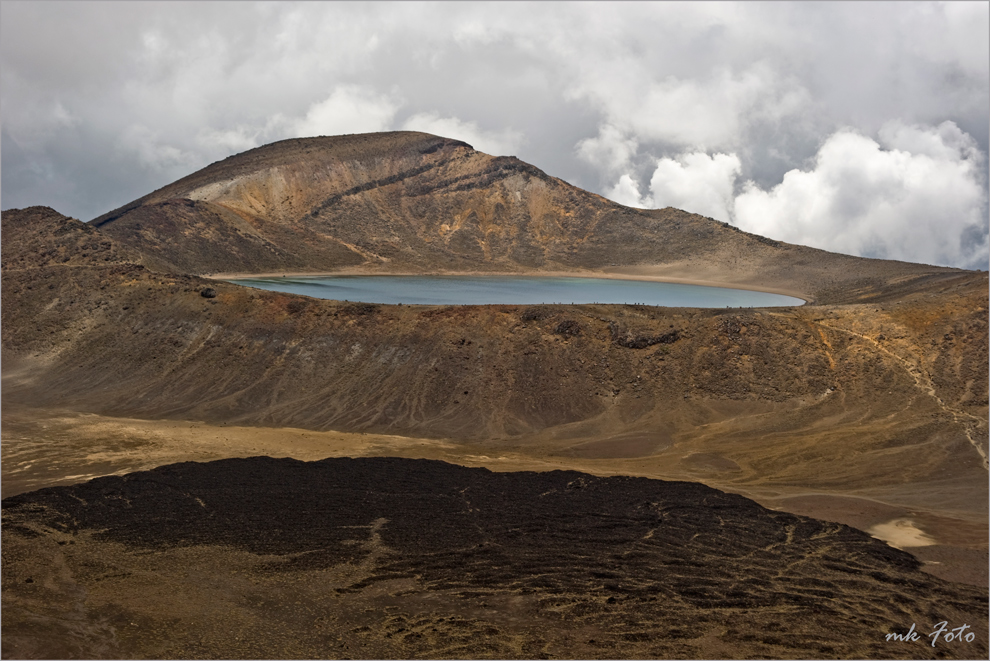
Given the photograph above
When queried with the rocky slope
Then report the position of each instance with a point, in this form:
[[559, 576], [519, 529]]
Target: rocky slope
[[398, 558], [113, 335]]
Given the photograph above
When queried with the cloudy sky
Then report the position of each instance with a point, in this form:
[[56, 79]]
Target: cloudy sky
[[855, 127]]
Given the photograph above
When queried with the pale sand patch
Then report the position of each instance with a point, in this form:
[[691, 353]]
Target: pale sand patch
[[901, 533], [44, 447]]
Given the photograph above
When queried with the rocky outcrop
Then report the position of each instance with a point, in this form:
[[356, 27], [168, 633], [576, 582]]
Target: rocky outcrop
[[626, 338]]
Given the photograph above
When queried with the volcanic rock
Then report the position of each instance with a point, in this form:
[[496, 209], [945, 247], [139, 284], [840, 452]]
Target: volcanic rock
[[393, 558]]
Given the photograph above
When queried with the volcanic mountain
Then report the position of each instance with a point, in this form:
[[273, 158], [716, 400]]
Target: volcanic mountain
[[413, 202], [867, 406]]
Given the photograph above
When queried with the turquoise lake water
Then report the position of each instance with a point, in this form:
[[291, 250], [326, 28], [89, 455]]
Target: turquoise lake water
[[514, 290]]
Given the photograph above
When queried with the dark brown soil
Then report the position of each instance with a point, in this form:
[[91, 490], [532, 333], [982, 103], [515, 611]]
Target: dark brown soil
[[398, 558]]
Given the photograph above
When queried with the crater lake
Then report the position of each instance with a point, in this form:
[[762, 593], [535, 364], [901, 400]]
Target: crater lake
[[514, 290]]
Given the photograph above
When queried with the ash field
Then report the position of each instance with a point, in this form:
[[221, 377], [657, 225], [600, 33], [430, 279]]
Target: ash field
[[256, 474]]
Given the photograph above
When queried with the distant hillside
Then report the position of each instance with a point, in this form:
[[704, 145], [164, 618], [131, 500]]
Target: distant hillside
[[39, 237], [413, 202]]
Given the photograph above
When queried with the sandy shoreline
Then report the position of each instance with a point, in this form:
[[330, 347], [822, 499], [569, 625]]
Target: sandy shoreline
[[642, 277]]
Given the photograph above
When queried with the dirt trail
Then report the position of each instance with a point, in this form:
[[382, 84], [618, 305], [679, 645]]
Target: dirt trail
[[970, 423]]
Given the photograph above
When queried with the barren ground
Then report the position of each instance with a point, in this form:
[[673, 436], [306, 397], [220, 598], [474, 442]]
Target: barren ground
[[43, 447], [404, 558]]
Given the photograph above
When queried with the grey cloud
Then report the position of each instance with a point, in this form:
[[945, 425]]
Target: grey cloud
[[103, 102], [911, 196]]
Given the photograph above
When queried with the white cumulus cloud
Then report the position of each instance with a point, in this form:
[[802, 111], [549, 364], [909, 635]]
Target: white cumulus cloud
[[696, 182], [610, 150], [151, 151], [349, 109], [626, 192], [497, 143], [708, 112], [918, 195], [692, 181]]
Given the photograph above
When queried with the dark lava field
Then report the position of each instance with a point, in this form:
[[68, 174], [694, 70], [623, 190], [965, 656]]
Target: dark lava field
[[400, 558]]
